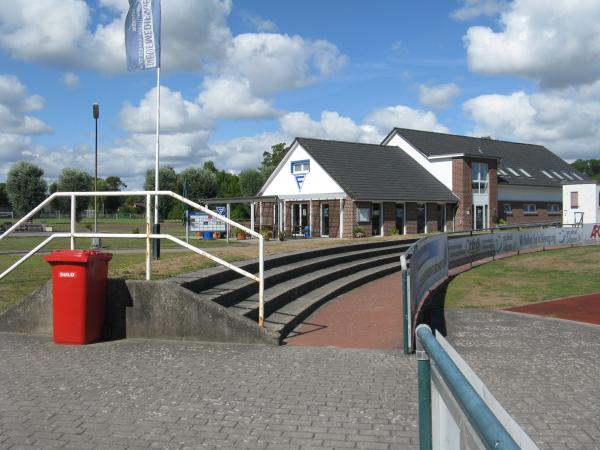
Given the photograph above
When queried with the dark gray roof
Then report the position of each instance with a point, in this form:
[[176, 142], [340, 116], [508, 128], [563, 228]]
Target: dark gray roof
[[533, 159], [376, 172]]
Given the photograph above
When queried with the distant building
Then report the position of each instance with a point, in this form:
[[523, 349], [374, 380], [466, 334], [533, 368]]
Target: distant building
[[581, 202], [414, 182]]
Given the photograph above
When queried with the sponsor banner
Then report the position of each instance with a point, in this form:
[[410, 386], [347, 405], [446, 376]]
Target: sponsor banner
[[465, 249], [200, 221], [428, 266]]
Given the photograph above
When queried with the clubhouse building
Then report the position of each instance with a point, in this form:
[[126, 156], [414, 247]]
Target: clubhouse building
[[413, 182]]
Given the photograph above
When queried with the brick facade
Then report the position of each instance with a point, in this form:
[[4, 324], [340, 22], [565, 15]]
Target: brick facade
[[540, 216]]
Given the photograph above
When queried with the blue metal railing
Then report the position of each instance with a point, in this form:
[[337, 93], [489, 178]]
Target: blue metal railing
[[491, 432]]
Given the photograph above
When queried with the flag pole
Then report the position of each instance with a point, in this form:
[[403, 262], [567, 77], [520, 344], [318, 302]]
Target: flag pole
[[156, 164]]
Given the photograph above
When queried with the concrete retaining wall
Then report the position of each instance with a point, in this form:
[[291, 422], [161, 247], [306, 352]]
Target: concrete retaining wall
[[143, 309]]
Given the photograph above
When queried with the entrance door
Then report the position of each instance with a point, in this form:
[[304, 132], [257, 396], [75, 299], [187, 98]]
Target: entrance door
[[400, 218], [325, 220], [299, 218], [376, 221], [480, 216]]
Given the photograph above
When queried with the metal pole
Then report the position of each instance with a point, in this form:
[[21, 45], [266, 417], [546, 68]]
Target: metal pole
[[73, 213], [148, 246], [405, 330], [229, 217], [156, 166], [96, 111], [261, 282], [424, 386], [252, 216]]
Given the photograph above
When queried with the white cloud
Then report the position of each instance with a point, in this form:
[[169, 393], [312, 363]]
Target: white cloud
[[196, 29], [565, 120], [177, 115], [476, 8], [245, 152], [404, 117], [331, 126], [231, 98], [557, 42], [14, 104], [70, 80], [438, 96], [258, 23], [276, 62]]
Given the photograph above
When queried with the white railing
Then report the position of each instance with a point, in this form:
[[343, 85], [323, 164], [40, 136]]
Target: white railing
[[73, 234]]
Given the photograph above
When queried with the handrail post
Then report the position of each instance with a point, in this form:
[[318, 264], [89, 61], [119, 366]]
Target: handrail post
[[148, 245], [73, 214], [261, 281], [405, 330], [424, 387]]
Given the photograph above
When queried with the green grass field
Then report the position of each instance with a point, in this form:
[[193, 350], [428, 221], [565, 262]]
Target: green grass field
[[528, 278]]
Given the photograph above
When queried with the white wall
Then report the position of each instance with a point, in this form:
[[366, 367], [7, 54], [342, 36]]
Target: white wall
[[588, 202], [529, 193], [317, 181], [441, 169]]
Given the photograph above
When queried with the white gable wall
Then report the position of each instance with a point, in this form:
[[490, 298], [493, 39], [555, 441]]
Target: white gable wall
[[588, 199], [317, 181], [441, 169]]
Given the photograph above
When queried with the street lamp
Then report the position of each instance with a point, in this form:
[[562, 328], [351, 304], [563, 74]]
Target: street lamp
[[96, 115]]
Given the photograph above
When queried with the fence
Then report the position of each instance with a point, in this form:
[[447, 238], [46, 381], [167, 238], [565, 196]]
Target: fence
[[428, 261], [456, 410], [148, 236]]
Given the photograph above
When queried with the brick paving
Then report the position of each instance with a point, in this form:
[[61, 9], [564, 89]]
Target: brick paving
[[167, 394], [544, 371]]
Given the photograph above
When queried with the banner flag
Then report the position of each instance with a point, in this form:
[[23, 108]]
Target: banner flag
[[142, 35]]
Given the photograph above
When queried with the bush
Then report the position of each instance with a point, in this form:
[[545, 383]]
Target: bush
[[136, 230], [393, 232], [358, 231], [266, 233]]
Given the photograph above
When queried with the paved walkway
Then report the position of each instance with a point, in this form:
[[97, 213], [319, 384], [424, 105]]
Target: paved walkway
[[163, 394], [367, 317], [545, 372]]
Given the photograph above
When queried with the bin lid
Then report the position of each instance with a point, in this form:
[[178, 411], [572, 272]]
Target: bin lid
[[81, 256]]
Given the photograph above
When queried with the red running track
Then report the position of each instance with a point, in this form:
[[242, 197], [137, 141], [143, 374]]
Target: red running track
[[367, 317], [584, 308]]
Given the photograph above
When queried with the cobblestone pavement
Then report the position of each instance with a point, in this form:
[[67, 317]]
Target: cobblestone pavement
[[545, 372], [164, 394]]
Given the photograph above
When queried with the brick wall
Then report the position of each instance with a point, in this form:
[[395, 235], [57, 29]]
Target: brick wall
[[450, 217], [389, 218], [461, 186], [518, 216], [349, 217], [411, 218], [432, 217], [493, 189]]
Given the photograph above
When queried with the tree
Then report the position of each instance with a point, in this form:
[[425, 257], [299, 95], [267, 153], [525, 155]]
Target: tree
[[210, 166], [167, 178], [250, 182], [25, 186], [113, 184], [272, 159], [199, 183], [74, 180], [4, 196], [229, 184], [590, 167]]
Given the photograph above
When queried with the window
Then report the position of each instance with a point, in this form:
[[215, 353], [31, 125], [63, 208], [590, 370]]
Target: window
[[558, 175], [577, 176], [524, 172], [574, 200], [502, 172], [363, 215], [568, 176], [553, 208], [529, 208], [301, 166], [479, 177], [547, 174], [514, 172], [507, 208]]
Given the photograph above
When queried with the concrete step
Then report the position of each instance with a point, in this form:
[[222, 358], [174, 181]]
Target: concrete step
[[282, 294], [207, 279], [287, 318], [232, 292]]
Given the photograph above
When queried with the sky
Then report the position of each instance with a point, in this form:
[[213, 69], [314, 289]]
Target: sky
[[240, 76]]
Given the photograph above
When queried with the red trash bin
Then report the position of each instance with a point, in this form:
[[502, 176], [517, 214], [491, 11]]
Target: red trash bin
[[78, 294]]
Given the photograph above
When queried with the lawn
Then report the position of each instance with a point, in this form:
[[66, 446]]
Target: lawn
[[528, 278], [35, 272]]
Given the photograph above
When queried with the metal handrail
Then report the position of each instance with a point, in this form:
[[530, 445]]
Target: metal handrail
[[484, 421], [147, 236]]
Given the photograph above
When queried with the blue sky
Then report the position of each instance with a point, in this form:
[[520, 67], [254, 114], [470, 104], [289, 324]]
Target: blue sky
[[238, 77]]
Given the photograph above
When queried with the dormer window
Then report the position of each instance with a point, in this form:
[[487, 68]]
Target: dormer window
[[299, 167]]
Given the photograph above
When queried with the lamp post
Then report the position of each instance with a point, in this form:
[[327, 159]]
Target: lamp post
[[96, 115]]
